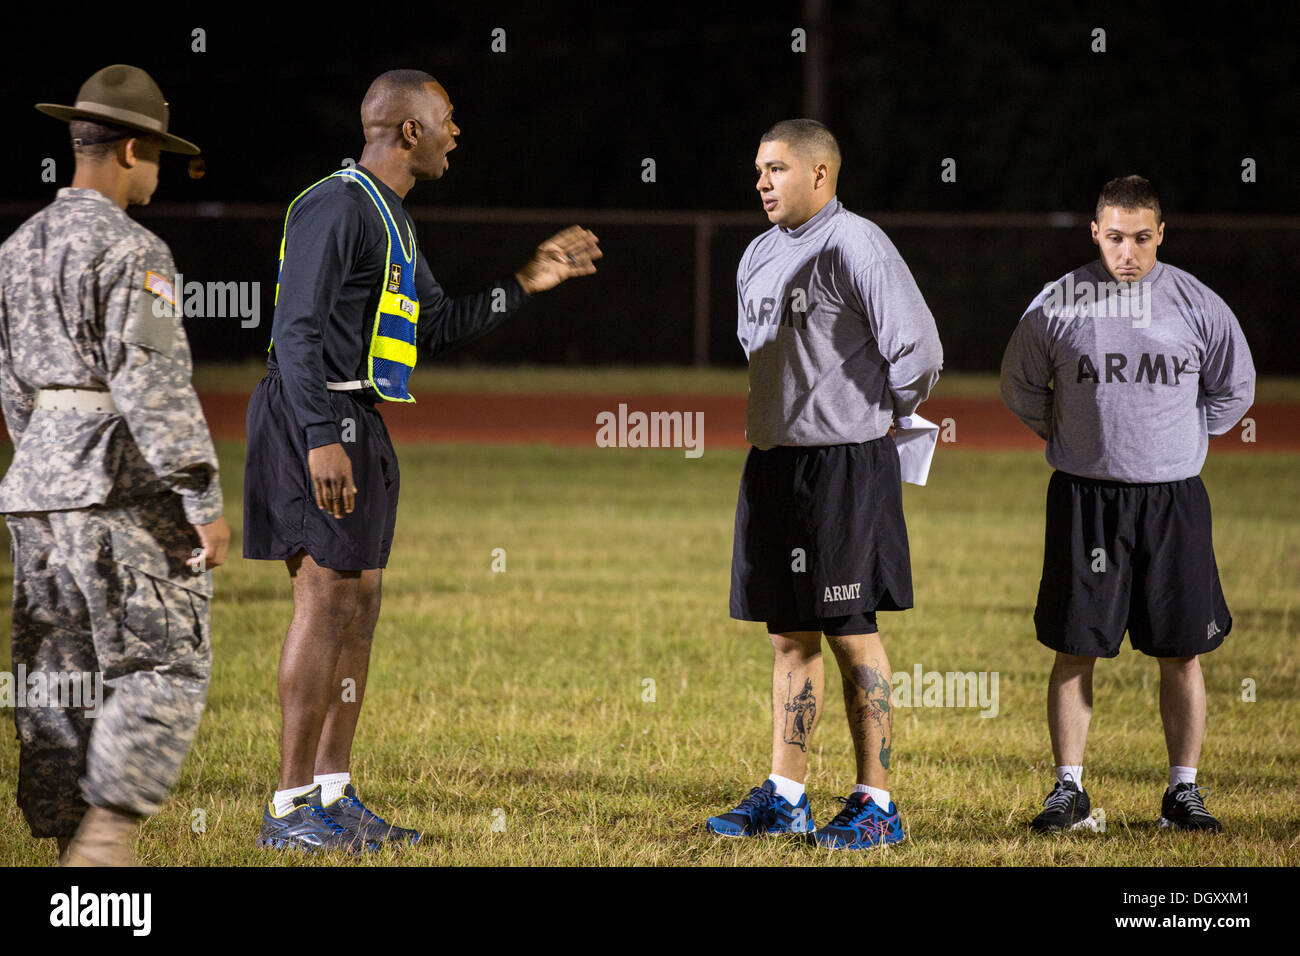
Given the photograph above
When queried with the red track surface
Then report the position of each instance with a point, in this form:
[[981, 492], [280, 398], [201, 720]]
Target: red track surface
[[570, 420]]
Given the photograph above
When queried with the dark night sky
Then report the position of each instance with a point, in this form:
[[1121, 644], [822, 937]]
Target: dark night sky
[[1035, 120]]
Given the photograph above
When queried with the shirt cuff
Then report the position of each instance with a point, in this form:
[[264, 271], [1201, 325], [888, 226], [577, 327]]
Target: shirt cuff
[[205, 508], [326, 433]]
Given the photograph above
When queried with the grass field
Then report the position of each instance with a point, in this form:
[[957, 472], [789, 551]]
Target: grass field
[[516, 698]]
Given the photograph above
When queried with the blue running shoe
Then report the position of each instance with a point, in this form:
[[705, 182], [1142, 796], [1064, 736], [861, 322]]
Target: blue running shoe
[[309, 828], [763, 811], [861, 825], [355, 817]]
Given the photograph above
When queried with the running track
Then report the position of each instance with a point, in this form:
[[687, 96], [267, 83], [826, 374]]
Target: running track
[[570, 420]]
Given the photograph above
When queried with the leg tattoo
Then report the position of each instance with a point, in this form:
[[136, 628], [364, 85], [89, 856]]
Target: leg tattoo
[[875, 708], [800, 712]]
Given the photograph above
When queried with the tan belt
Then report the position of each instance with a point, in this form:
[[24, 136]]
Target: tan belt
[[76, 400], [347, 386]]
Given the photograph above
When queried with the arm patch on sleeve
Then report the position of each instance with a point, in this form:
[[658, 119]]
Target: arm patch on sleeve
[[160, 287], [153, 325]]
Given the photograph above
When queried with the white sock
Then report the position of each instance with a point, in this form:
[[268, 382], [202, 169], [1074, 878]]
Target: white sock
[[1179, 775], [789, 790], [875, 793], [282, 802], [331, 786], [1075, 774]]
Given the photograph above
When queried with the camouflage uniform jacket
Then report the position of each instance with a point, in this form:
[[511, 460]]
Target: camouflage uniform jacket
[[86, 302]]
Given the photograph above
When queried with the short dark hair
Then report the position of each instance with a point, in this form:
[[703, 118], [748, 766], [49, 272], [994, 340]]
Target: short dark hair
[[392, 90], [95, 140], [1129, 192], [807, 136], [411, 80]]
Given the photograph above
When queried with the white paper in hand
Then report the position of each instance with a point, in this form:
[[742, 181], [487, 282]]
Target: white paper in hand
[[915, 438]]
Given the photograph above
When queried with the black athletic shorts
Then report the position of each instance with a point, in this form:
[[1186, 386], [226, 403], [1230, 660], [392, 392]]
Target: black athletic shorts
[[820, 543], [1129, 556], [280, 513]]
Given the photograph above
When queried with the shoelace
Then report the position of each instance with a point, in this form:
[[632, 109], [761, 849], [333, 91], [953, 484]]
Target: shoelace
[[852, 814], [1194, 801], [331, 824], [365, 810], [760, 804], [1060, 799]]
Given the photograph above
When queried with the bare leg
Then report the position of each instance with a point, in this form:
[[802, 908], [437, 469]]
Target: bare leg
[[1069, 707], [797, 688], [324, 606], [865, 675], [1182, 708], [335, 747]]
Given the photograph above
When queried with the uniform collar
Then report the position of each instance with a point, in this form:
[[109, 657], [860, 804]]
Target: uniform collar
[[1128, 288], [80, 192], [814, 225]]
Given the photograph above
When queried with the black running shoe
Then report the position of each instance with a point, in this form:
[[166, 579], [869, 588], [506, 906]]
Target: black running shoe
[[1068, 808], [1183, 809], [355, 817], [309, 828]]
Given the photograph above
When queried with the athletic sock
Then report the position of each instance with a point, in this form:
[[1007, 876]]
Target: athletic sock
[[331, 786], [282, 802], [788, 790], [1179, 775], [875, 793], [1074, 773]]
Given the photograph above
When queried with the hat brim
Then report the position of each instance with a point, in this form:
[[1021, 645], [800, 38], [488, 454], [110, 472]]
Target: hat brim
[[170, 143]]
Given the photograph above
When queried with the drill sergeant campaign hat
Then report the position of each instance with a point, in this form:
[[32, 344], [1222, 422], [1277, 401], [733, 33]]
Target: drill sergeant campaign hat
[[124, 96]]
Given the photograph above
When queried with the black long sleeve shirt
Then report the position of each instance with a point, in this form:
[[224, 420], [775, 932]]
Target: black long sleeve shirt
[[330, 282]]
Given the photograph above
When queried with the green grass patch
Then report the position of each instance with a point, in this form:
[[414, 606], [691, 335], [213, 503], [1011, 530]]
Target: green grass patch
[[518, 696]]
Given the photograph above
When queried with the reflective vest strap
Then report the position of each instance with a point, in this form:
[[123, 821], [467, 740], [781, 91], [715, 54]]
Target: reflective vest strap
[[394, 350], [389, 222], [392, 341], [284, 235]]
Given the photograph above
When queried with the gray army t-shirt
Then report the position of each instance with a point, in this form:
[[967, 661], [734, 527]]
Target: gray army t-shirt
[[839, 338], [1127, 380]]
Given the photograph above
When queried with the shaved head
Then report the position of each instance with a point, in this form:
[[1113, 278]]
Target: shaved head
[[393, 98], [811, 140]]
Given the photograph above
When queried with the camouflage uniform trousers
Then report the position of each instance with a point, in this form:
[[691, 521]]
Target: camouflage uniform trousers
[[106, 589]]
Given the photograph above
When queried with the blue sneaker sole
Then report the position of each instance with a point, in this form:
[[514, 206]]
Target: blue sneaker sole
[[862, 846], [796, 833]]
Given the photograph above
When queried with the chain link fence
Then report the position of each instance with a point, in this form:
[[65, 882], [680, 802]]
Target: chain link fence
[[665, 292]]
